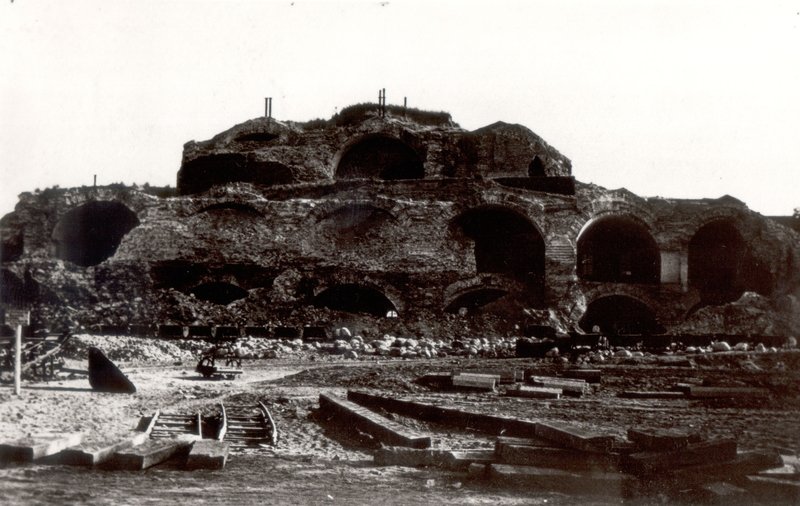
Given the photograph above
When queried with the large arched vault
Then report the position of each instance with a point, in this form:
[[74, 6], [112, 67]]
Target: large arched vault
[[91, 233]]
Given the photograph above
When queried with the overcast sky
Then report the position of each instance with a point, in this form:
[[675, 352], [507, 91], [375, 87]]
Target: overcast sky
[[673, 98]]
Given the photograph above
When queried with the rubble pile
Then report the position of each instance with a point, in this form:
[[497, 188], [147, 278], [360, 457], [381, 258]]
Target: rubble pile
[[403, 347], [130, 349], [752, 314]]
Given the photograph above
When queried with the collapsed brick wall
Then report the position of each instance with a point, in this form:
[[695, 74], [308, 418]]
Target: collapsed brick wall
[[457, 252]]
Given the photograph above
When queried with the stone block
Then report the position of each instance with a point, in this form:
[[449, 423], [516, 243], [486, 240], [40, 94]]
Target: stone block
[[534, 392], [36, 447], [477, 471], [92, 455], [408, 457], [506, 376], [208, 454], [573, 483], [460, 460], [436, 380], [695, 454], [492, 424], [640, 394], [778, 490], [378, 426], [154, 451], [697, 392], [475, 381], [588, 375], [570, 387], [721, 492], [519, 441], [661, 439], [558, 458], [741, 464], [568, 436]]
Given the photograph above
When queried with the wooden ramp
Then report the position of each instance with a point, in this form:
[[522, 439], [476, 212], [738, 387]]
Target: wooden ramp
[[169, 425], [249, 426]]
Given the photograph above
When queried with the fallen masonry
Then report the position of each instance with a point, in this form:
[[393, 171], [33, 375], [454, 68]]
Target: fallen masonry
[[151, 453], [347, 413], [35, 447], [566, 458]]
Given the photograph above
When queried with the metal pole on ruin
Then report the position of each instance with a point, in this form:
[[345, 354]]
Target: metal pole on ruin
[[405, 107], [268, 109], [95, 180], [18, 360], [382, 102]]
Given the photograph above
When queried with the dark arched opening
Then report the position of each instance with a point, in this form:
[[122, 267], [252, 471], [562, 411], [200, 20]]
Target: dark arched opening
[[91, 233], [11, 247], [474, 300], [716, 257], [355, 223], [505, 243], [202, 173], [536, 167], [619, 314], [352, 298], [380, 157], [618, 249], [219, 292]]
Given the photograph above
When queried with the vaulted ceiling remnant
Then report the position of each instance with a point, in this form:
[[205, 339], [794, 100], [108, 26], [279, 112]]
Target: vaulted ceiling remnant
[[91, 233], [380, 157], [618, 249]]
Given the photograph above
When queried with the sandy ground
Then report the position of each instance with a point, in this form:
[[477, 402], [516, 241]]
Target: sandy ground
[[315, 462]]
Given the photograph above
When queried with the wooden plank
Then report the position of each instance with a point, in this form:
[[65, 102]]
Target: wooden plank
[[534, 392], [662, 439], [569, 436], [696, 392], [208, 454], [372, 423], [559, 458], [721, 450], [154, 451], [32, 448]]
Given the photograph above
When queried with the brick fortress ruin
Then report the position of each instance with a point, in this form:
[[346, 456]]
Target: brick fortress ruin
[[390, 221]]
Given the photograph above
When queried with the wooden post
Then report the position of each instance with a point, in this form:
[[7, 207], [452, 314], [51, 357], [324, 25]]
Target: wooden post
[[405, 107], [95, 180], [18, 360]]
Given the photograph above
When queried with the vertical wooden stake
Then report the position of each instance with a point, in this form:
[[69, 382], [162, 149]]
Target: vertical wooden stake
[[18, 360]]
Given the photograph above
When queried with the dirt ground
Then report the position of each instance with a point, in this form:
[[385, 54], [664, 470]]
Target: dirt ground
[[316, 462]]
